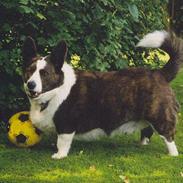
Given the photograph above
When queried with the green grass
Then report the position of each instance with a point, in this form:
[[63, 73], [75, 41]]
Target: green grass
[[120, 159]]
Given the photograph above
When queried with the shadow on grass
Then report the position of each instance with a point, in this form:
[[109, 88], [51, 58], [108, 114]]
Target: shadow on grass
[[122, 145], [97, 161]]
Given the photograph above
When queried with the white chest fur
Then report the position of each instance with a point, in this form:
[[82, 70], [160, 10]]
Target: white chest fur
[[44, 119]]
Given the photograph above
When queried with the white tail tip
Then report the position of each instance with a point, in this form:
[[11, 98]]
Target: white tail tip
[[153, 40]]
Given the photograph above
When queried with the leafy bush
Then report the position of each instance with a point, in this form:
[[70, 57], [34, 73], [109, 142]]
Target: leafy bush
[[176, 16], [102, 32]]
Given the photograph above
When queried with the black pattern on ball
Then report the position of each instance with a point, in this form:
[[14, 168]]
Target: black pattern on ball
[[23, 117], [21, 138]]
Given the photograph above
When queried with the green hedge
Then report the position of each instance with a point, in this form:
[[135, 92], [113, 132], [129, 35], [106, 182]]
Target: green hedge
[[176, 16], [102, 32]]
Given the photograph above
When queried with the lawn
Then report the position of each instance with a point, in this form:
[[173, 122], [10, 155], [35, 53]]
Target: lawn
[[120, 159]]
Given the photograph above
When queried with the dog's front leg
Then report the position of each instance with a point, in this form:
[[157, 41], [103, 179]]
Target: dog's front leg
[[63, 145]]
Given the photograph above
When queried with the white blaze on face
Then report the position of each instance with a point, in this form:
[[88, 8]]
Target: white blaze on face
[[36, 75]]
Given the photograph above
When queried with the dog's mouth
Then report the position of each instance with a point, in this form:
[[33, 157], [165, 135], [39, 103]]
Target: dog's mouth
[[33, 94]]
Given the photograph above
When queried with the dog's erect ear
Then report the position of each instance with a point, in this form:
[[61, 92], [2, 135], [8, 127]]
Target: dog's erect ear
[[58, 55], [29, 50]]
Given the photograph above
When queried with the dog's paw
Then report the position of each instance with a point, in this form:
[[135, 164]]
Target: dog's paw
[[174, 154], [145, 141], [58, 156]]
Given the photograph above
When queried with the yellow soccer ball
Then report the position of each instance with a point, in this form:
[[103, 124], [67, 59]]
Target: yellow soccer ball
[[21, 131]]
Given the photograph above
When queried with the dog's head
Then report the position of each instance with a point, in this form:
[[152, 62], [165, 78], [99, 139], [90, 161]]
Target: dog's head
[[42, 74]]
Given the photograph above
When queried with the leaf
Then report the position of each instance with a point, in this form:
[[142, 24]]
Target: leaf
[[26, 9], [81, 152], [105, 2], [25, 2], [125, 179], [6, 27], [92, 168], [82, 1], [40, 16], [134, 11]]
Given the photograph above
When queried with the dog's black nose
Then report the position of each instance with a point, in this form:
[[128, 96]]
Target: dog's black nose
[[31, 85]]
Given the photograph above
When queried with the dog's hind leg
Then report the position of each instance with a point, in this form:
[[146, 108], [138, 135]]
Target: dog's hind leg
[[146, 134], [162, 116], [171, 146], [166, 129]]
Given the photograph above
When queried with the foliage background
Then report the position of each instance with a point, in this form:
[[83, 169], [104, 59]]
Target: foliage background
[[102, 32], [175, 8]]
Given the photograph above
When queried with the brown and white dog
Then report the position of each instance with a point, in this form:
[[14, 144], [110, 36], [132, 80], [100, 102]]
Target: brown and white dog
[[92, 104]]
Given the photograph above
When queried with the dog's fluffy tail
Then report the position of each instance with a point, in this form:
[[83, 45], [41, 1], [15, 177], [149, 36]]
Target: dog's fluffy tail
[[169, 43]]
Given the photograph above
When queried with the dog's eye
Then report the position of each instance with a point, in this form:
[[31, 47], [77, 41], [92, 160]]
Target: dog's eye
[[43, 72]]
